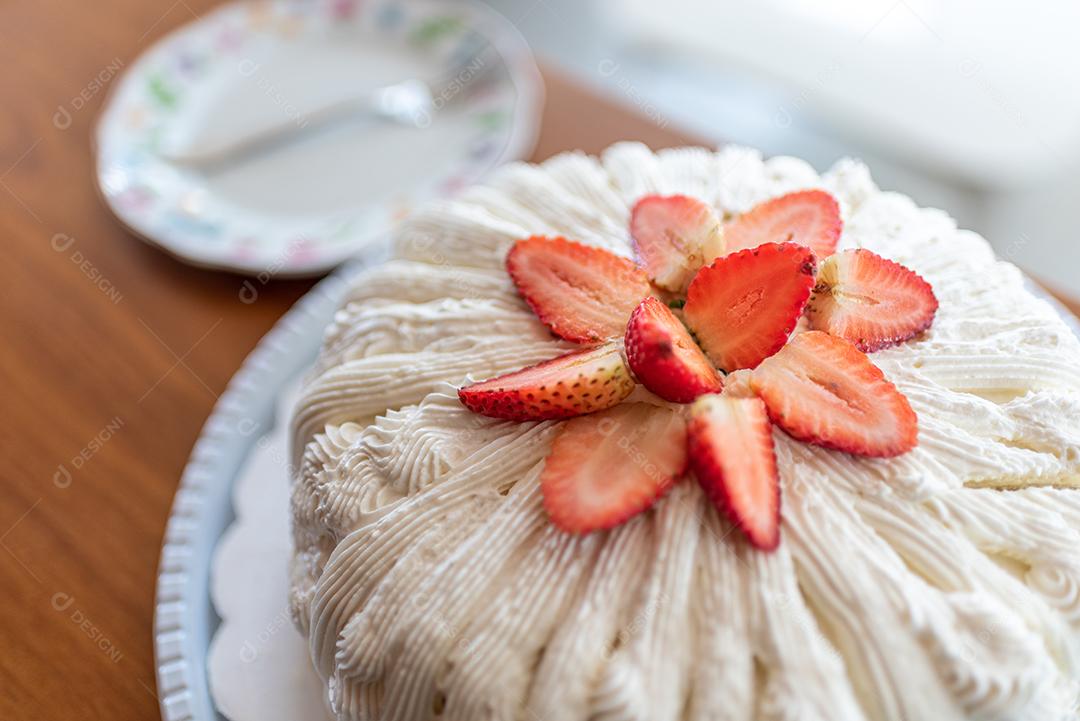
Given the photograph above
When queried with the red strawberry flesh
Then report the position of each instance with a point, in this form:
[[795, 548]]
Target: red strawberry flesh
[[869, 300], [674, 235], [823, 390], [806, 217], [665, 358], [743, 307], [570, 385], [607, 467], [731, 454], [583, 294]]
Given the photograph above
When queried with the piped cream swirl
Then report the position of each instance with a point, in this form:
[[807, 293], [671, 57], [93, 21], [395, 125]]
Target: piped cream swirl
[[430, 583]]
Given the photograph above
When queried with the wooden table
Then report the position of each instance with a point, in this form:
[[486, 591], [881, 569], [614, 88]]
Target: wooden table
[[112, 357]]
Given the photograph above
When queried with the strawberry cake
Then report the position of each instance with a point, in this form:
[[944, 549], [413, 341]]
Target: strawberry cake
[[690, 435]]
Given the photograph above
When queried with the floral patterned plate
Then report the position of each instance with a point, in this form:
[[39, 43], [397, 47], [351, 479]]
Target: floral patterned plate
[[303, 206]]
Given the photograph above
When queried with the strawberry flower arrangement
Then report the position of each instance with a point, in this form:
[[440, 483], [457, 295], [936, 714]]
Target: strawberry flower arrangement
[[703, 300]]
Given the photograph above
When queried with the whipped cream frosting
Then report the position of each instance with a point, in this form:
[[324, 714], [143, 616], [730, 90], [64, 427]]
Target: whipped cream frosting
[[942, 584]]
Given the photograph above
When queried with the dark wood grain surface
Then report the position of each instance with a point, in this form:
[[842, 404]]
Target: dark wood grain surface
[[112, 356]]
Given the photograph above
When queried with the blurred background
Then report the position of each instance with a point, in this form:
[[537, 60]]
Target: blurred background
[[968, 106]]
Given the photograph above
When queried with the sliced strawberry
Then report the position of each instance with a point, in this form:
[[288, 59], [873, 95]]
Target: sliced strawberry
[[570, 385], [584, 294], [870, 301], [744, 306], [606, 468], [731, 453], [674, 235], [806, 217], [823, 390], [665, 358]]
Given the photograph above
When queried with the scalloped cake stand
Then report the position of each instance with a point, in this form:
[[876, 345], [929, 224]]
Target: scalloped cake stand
[[185, 619]]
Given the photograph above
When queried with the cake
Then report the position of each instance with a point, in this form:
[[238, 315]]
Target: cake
[[432, 579]]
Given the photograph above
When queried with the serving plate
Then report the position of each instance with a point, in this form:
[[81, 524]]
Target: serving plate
[[185, 620], [304, 204], [184, 617]]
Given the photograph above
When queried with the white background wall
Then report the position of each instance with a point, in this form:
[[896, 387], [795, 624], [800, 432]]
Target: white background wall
[[970, 106]]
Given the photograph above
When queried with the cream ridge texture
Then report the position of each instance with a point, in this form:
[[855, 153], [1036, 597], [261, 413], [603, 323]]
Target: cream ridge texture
[[942, 584]]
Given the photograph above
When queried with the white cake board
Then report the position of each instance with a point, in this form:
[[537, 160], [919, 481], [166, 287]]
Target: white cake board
[[258, 663]]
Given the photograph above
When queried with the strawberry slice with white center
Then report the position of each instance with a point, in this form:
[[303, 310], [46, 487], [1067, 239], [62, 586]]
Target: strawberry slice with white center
[[583, 294], [674, 235], [665, 358], [605, 468], [731, 453], [743, 307], [871, 301], [570, 385], [806, 217], [823, 390]]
